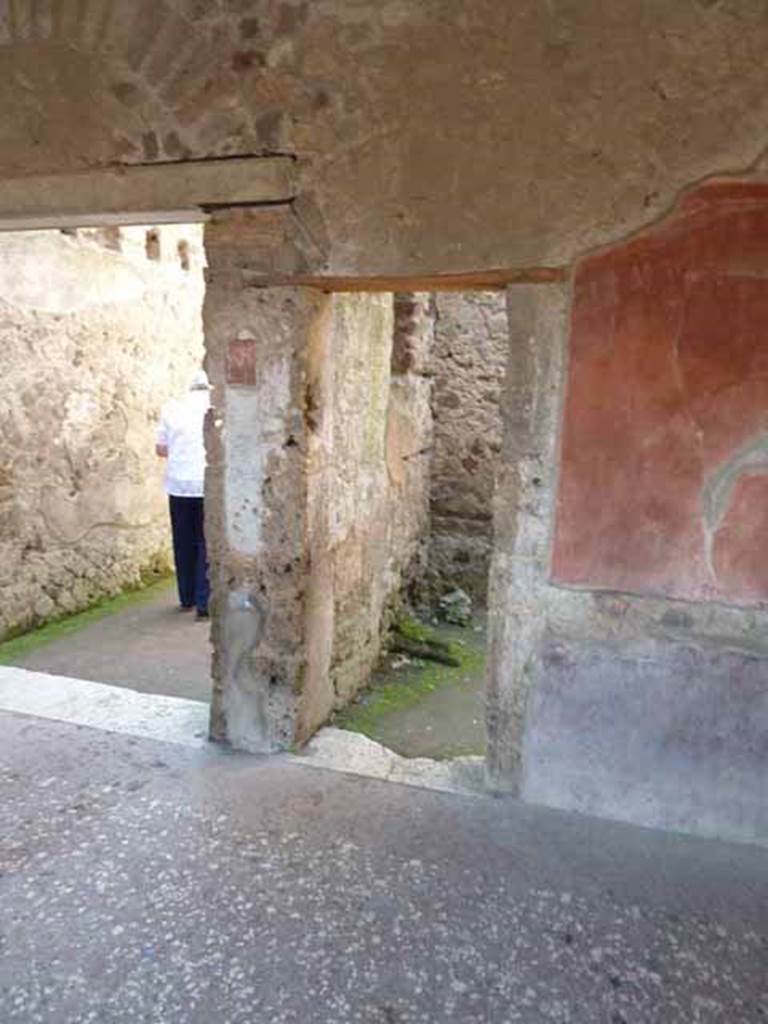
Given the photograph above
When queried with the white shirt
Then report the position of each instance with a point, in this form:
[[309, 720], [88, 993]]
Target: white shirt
[[181, 431]]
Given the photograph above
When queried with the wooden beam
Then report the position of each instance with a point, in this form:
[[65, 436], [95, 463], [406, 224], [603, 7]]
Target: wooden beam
[[137, 194], [476, 280]]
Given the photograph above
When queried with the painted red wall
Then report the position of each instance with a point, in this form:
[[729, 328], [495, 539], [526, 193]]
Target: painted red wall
[[664, 472]]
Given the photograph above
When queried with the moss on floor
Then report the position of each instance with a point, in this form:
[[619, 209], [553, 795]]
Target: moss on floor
[[393, 690], [17, 647], [414, 630]]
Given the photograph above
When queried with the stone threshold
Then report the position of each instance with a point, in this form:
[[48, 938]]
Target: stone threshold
[[185, 722], [101, 706]]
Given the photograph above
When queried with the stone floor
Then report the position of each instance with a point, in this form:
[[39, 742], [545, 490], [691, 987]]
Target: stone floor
[[151, 882], [149, 646]]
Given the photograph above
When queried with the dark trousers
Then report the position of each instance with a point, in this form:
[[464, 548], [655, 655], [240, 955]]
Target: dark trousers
[[189, 551]]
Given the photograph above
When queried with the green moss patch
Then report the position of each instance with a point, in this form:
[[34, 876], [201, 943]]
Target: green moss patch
[[11, 651], [396, 689], [414, 630]]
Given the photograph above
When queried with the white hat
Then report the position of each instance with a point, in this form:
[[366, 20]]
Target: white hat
[[200, 381]]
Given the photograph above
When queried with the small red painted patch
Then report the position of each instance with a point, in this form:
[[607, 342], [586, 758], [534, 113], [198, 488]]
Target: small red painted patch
[[241, 362]]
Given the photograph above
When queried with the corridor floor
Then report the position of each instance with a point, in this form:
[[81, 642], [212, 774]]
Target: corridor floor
[[147, 881], [148, 645]]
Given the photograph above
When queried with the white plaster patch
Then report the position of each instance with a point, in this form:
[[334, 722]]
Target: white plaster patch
[[47, 272], [255, 428], [40, 271], [100, 706]]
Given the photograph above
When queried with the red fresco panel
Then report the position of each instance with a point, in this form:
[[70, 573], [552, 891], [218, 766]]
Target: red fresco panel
[[664, 474]]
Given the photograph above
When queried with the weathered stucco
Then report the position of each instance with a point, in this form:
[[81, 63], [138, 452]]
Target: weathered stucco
[[432, 134], [317, 495], [368, 479], [468, 364], [258, 344], [348, 491], [355, 488], [95, 337]]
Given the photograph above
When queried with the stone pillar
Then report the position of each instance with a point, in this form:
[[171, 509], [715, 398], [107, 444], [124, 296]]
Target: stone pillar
[[259, 342], [523, 517]]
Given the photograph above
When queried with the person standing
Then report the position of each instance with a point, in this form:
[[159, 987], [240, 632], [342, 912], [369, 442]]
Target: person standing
[[180, 441]]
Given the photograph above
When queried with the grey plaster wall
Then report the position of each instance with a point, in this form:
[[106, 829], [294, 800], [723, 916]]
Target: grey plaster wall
[[669, 735], [94, 338]]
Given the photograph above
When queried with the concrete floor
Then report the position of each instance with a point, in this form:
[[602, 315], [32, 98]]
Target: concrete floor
[[151, 647], [146, 881]]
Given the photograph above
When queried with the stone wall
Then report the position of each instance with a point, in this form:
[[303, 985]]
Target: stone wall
[[468, 364], [410, 440], [369, 475], [97, 329], [355, 485]]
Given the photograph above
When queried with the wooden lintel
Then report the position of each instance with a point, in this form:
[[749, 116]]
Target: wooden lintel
[[159, 191], [478, 280]]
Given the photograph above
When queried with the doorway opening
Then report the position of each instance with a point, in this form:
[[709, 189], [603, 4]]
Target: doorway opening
[[100, 327], [405, 458]]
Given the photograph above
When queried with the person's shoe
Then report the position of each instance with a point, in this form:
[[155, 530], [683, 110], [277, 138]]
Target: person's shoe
[[186, 607], [201, 616]]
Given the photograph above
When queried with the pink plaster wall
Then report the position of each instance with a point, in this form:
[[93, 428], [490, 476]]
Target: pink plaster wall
[[664, 474]]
